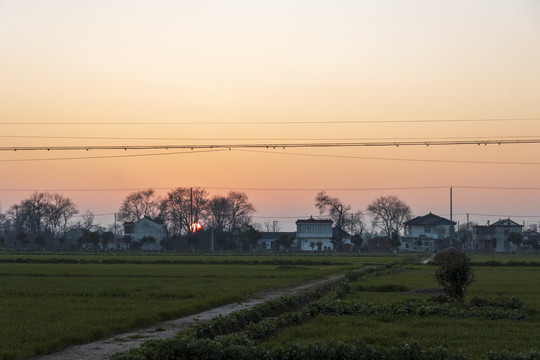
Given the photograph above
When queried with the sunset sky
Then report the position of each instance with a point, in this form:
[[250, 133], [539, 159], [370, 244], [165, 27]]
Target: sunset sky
[[121, 73]]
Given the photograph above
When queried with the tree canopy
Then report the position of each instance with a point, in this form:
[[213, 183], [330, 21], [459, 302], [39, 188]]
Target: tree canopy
[[389, 213]]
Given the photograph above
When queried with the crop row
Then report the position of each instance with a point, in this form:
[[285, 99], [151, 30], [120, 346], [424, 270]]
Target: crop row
[[238, 336], [416, 307], [244, 349]]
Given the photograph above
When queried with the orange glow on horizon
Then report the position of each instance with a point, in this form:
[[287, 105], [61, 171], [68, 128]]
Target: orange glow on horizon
[[208, 68]]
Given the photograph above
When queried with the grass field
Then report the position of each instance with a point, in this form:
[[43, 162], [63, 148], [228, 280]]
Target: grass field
[[51, 301], [474, 337]]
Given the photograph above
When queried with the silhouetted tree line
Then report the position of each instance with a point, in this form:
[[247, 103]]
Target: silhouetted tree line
[[46, 221]]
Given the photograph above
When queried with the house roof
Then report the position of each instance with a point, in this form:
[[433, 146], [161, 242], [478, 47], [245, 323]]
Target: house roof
[[504, 222], [430, 219], [311, 220]]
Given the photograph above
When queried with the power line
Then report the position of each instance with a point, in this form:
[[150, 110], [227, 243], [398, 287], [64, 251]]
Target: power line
[[285, 122], [393, 140], [276, 145], [112, 156], [278, 153], [501, 215], [277, 189], [395, 159], [231, 189], [496, 188]]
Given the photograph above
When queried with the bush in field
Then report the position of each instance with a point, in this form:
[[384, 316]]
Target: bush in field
[[455, 273]]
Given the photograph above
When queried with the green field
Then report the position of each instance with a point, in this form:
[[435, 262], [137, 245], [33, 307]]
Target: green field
[[474, 336], [390, 314], [51, 301]]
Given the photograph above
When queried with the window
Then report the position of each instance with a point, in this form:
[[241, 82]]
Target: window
[[427, 229]]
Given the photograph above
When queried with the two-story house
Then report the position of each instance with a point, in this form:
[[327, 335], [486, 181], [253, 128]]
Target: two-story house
[[496, 237], [314, 235], [427, 233]]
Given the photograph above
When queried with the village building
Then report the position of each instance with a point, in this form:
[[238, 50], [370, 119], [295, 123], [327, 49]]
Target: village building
[[314, 235], [269, 241], [531, 240], [379, 243], [496, 237], [145, 233], [427, 233]]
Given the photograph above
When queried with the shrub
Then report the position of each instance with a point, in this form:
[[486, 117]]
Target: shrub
[[455, 273]]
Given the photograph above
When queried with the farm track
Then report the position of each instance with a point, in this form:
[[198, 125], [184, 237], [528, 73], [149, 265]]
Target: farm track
[[103, 349]]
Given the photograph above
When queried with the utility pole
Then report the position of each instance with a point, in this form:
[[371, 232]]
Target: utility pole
[[452, 234], [190, 206], [212, 235], [450, 203], [469, 240], [115, 231]]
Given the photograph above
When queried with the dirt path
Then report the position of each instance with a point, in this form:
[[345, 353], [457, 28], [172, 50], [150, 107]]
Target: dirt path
[[103, 349]]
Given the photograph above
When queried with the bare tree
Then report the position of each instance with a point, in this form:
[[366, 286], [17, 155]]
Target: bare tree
[[219, 208], [138, 205], [271, 226], [29, 214], [357, 224], [88, 220], [338, 213], [184, 205], [58, 212], [389, 213], [4, 225], [241, 210]]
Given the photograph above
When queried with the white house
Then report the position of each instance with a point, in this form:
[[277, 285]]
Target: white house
[[486, 236], [318, 232], [146, 227], [426, 233]]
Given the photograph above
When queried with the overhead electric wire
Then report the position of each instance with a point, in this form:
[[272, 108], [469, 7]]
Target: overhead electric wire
[[259, 139], [235, 189], [275, 145], [277, 153], [500, 215], [284, 122], [112, 156], [394, 159], [304, 189]]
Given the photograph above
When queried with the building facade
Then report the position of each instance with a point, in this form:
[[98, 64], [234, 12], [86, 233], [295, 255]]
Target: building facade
[[427, 233], [496, 237], [314, 235], [146, 228]]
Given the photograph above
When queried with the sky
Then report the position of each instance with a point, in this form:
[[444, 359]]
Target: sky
[[130, 73]]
